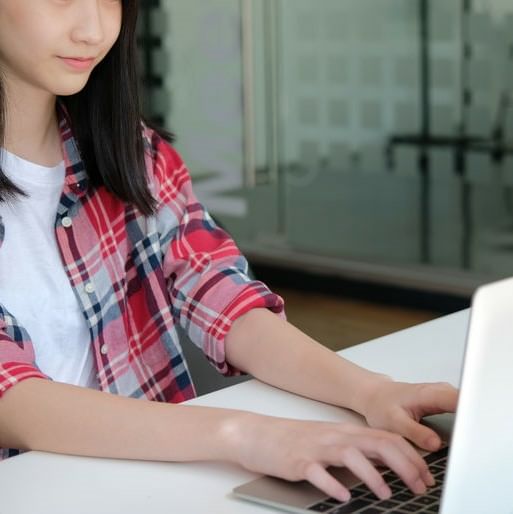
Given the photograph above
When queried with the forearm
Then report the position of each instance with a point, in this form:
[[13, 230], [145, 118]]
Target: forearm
[[42, 415], [276, 352]]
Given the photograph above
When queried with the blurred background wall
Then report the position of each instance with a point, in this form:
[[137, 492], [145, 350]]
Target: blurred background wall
[[367, 139]]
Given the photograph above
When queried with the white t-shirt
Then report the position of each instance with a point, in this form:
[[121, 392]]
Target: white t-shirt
[[34, 287]]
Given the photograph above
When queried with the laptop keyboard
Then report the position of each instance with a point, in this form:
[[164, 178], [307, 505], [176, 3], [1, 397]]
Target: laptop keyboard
[[403, 501]]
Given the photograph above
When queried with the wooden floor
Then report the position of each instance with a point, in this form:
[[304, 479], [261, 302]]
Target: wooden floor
[[341, 322]]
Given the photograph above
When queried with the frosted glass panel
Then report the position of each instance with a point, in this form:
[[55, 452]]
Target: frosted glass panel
[[379, 132]]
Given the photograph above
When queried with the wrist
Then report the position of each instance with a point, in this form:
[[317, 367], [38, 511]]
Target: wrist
[[233, 432], [368, 388]]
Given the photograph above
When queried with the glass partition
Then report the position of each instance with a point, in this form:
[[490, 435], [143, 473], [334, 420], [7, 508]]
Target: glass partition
[[371, 139]]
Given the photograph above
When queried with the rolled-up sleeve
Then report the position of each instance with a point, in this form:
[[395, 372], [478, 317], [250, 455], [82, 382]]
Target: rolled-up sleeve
[[207, 277], [17, 358]]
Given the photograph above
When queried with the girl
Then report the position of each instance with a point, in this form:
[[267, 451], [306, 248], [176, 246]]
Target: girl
[[104, 249]]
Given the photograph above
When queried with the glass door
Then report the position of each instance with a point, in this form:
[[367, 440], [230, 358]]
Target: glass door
[[370, 139], [394, 137]]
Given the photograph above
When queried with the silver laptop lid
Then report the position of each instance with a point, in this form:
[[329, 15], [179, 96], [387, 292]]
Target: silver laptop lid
[[480, 470]]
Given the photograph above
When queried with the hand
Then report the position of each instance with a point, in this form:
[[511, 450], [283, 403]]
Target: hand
[[302, 450], [398, 407]]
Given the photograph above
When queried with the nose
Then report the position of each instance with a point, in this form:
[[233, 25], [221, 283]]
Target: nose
[[89, 23]]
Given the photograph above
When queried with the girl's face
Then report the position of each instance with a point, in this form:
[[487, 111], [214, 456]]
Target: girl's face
[[39, 37]]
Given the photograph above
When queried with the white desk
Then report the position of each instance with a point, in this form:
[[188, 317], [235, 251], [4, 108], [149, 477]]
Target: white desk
[[39, 483]]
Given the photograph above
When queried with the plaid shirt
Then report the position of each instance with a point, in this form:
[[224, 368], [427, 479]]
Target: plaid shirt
[[136, 277]]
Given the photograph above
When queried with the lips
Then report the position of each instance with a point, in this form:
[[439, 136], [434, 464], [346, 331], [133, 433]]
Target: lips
[[78, 63], [78, 58]]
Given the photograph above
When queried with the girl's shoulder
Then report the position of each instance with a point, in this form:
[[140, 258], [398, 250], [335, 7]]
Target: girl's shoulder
[[160, 149], [164, 165]]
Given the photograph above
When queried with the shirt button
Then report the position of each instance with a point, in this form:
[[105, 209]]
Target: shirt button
[[89, 288], [67, 222], [104, 349]]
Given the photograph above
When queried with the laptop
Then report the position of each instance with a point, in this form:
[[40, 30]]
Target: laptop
[[474, 471]]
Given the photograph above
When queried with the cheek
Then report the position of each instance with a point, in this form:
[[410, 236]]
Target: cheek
[[26, 25], [112, 31], [114, 27], [27, 53], [19, 47], [25, 32]]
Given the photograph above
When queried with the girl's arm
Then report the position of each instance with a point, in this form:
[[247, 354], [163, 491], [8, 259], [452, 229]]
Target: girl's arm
[[41, 415], [50, 416], [276, 352]]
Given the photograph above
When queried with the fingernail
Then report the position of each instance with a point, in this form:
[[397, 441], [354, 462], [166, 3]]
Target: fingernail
[[420, 487], [433, 443], [384, 492], [345, 496], [429, 479]]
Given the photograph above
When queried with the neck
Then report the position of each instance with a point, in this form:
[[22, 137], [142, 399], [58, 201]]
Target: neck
[[32, 130]]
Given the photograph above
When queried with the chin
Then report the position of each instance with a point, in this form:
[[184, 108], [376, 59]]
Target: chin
[[69, 90]]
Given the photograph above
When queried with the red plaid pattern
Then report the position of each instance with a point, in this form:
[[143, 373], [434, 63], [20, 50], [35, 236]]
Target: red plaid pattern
[[144, 275]]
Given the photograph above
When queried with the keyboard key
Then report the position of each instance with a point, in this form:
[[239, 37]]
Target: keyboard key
[[403, 497], [437, 493], [397, 487], [386, 504], [332, 501], [410, 507], [389, 475], [359, 490], [426, 500], [435, 456], [321, 507], [372, 510], [350, 507]]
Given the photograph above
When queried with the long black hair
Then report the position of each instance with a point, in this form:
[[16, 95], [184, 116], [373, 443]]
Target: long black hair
[[106, 120]]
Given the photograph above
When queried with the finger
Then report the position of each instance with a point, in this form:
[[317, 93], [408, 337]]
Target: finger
[[320, 478], [367, 434], [398, 461], [421, 435], [417, 461], [359, 465], [369, 440], [437, 398], [368, 446]]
